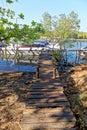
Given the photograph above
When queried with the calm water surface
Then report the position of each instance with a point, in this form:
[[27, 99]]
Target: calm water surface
[[10, 66], [72, 55]]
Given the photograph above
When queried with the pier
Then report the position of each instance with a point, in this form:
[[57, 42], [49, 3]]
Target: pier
[[47, 107]]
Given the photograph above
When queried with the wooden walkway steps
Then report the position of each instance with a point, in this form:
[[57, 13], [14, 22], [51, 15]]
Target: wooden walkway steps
[[48, 107]]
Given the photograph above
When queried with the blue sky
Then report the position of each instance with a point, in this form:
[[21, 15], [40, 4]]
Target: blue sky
[[33, 9]]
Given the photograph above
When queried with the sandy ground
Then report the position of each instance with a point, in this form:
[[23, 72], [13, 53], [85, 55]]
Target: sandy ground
[[14, 92], [13, 98], [75, 87]]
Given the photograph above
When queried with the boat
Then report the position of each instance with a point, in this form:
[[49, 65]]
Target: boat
[[83, 52]]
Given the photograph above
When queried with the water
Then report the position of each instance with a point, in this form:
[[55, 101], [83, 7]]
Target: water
[[72, 56], [77, 45], [9, 66]]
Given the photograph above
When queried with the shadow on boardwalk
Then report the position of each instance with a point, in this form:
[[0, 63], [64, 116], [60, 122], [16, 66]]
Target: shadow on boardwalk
[[42, 103], [47, 105]]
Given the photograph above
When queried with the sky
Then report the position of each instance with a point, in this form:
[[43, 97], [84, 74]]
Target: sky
[[33, 9]]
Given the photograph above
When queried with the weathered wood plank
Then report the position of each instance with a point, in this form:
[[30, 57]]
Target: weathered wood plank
[[56, 110], [59, 115], [47, 100], [44, 105], [46, 95], [44, 89], [48, 126], [47, 107]]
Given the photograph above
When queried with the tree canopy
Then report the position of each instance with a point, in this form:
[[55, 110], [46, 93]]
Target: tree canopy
[[61, 27], [13, 30], [68, 25], [11, 1]]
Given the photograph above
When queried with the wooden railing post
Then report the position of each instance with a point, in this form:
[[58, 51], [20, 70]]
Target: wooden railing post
[[37, 72], [54, 72]]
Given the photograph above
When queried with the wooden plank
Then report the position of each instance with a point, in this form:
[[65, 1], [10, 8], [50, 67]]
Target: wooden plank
[[42, 119], [45, 116], [50, 92], [29, 111], [46, 88], [44, 91], [47, 100], [33, 119], [47, 107], [48, 126], [60, 110], [46, 95], [44, 105]]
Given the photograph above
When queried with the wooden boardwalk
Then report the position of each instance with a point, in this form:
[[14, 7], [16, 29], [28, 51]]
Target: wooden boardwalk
[[48, 107]]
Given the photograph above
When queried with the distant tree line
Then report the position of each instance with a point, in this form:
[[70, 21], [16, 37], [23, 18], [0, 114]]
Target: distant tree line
[[82, 35]]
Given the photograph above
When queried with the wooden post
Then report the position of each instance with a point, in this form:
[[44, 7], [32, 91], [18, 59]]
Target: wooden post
[[37, 72], [54, 72], [5, 53]]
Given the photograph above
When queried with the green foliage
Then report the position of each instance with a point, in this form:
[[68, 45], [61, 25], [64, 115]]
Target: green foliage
[[21, 15], [26, 34], [56, 56], [6, 13], [81, 123], [65, 43], [22, 33], [67, 28], [4, 33], [5, 24], [47, 21], [83, 97], [68, 25], [82, 35], [10, 1], [63, 28], [33, 23]]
